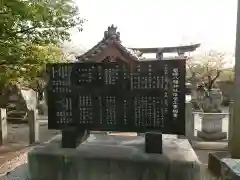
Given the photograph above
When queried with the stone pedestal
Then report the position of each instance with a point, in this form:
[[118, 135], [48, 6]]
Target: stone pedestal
[[114, 158], [212, 126]]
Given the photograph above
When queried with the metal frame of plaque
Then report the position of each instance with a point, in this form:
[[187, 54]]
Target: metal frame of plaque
[[149, 97]]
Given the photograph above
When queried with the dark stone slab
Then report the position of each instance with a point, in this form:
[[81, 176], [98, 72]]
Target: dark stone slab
[[153, 143], [114, 96]]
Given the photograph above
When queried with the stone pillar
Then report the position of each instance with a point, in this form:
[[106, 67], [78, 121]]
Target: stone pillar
[[230, 123], [234, 143], [3, 126], [189, 122], [33, 127]]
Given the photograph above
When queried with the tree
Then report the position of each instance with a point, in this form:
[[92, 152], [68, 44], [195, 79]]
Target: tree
[[27, 26], [30, 34], [41, 23], [206, 67]]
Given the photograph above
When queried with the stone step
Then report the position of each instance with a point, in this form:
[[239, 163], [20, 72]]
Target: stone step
[[16, 117]]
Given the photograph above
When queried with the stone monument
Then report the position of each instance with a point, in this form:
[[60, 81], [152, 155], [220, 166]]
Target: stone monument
[[144, 97]]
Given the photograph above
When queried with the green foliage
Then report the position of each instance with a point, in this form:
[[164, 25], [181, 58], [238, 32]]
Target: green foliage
[[30, 32], [40, 23]]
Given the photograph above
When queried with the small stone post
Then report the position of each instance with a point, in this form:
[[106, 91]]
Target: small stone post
[[189, 126], [3, 126], [33, 127]]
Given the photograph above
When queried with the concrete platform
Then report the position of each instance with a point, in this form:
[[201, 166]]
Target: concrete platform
[[104, 157]]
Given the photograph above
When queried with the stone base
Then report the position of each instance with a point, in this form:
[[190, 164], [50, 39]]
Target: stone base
[[224, 167], [211, 136], [115, 158], [214, 162]]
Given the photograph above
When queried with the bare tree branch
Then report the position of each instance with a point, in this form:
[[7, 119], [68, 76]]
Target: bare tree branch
[[211, 81], [25, 30]]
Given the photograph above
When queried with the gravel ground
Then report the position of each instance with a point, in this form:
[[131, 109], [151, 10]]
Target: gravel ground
[[14, 152], [20, 173]]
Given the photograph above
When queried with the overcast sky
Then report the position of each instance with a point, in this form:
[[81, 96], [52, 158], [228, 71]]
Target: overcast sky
[[156, 23]]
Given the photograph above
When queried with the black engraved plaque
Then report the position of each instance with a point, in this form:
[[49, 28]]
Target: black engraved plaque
[[111, 96], [59, 95]]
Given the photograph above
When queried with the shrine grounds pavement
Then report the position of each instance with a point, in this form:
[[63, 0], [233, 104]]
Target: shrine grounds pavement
[[14, 152]]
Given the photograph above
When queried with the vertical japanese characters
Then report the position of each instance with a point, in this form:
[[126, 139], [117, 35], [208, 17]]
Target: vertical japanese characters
[[60, 78], [166, 84], [175, 93], [147, 96]]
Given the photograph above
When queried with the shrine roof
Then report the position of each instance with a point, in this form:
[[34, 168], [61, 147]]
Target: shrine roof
[[111, 36]]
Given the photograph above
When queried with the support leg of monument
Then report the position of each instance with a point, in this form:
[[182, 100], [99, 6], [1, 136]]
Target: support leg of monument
[[72, 137], [153, 142]]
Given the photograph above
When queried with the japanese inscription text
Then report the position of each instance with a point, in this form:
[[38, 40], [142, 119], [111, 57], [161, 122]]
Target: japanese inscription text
[[113, 96]]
